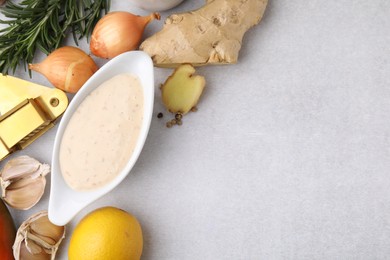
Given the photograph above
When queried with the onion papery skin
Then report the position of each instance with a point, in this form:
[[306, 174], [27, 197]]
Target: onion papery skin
[[118, 32], [67, 68]]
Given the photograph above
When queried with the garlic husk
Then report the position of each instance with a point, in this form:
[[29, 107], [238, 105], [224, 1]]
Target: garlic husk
[[23, 182], [37, 238], [118, 32], [67, 68]]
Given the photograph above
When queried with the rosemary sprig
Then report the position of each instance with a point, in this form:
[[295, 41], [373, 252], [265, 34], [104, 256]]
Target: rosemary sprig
[[43, 24]]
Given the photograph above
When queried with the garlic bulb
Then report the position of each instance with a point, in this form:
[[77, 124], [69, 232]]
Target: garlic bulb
[[37, 238], [23, 182]]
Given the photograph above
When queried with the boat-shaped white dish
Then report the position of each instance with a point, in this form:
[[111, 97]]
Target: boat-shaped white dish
[[154, 6], [65, 202]]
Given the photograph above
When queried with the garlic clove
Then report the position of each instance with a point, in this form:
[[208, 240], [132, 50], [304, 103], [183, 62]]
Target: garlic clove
[[23, 182], [19, 167], [46, 231], [26, 254], [25, 193], [32, 248], [37, 238]]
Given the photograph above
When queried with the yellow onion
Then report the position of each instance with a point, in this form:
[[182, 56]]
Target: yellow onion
[[67, 68], [118, 32]]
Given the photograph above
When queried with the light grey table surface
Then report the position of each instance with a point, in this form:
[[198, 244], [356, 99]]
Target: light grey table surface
[[288, 156]]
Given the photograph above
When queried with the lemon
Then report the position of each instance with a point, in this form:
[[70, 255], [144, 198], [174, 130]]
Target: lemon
[[104, 234]]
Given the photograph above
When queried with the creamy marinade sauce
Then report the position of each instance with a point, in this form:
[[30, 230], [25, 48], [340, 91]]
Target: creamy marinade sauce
[[102, 133]]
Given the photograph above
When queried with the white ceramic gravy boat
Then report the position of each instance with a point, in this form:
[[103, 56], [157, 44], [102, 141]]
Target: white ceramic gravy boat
[[156, 5], [64, 202]]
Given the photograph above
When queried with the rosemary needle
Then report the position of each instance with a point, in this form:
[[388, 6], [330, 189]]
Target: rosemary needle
[[42, 25]]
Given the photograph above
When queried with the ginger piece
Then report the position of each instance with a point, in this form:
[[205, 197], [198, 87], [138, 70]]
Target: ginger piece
[[182, 90], [210, 35]]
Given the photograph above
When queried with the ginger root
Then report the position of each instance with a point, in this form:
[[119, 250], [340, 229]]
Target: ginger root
[[210, 35], [182, 90]]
